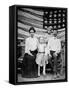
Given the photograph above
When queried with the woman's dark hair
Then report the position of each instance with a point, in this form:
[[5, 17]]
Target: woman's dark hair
[[32, 28]]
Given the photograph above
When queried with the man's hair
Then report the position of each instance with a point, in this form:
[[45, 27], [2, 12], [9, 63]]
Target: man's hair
[[50, 27], [55, 30], [32, 28]]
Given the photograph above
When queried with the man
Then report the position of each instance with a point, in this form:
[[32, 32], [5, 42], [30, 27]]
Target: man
[[29, 64], [54, 45], [48, 34]]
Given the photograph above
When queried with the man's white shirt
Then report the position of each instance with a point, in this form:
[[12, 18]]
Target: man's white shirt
[[54, 44]]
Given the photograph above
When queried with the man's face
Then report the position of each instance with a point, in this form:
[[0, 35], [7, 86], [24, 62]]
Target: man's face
[[49, 31], [55, 32]]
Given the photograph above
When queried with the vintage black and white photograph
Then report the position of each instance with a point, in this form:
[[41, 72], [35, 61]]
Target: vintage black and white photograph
[[41, 44]]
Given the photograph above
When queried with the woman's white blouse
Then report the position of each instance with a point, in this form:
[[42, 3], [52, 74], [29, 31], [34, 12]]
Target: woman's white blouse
[[54, 44], [31, 44]]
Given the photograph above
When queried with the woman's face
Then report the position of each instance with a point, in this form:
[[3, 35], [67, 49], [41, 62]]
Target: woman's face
[[32, 33]]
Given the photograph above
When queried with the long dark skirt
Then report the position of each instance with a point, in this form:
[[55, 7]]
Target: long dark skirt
[[29, 67]]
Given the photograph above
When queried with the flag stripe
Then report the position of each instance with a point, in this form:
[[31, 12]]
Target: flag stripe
[[34, 11], [23, 18], [29, 15]]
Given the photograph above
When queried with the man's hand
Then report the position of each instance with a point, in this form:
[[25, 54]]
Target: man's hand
[[55, 54]]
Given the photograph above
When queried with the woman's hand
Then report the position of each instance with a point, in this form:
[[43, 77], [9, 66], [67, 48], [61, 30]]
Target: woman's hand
[[30, 54], [50, 55]]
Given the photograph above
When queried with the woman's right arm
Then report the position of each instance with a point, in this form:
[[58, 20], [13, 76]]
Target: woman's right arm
[[27, 48]]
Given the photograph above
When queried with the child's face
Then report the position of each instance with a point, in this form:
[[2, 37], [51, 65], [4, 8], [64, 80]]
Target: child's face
[[32, 33], [41, 40]]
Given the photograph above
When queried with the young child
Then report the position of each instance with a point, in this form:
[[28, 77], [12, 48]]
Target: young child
[[41, 58]]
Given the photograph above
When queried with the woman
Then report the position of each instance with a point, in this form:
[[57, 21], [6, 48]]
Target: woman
[[29, 64]]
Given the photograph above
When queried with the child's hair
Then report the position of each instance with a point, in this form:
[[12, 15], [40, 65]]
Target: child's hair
[[41, 38]]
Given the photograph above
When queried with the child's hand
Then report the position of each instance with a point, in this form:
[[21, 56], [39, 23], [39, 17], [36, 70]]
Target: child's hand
[[55, 54]]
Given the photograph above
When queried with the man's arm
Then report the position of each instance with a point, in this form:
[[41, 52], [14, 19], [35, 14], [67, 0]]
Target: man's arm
[[58, 46], [49, 44]]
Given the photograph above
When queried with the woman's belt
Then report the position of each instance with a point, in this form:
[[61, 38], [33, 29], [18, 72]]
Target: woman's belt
[[34, 52], [41, 52]]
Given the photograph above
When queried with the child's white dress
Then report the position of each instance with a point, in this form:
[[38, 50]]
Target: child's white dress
[[41, 56], [47, 51]]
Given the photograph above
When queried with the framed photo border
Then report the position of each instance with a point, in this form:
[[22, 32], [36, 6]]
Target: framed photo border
[[15, 33]]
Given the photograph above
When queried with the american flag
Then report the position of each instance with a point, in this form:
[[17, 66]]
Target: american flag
[[54, 18], [40, 19]]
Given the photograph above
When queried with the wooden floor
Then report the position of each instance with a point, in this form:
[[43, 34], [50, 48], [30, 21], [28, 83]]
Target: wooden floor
[[41, 78]]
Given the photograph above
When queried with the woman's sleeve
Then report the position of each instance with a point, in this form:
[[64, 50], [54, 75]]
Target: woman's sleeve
[[26, 46], [37, 43]]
